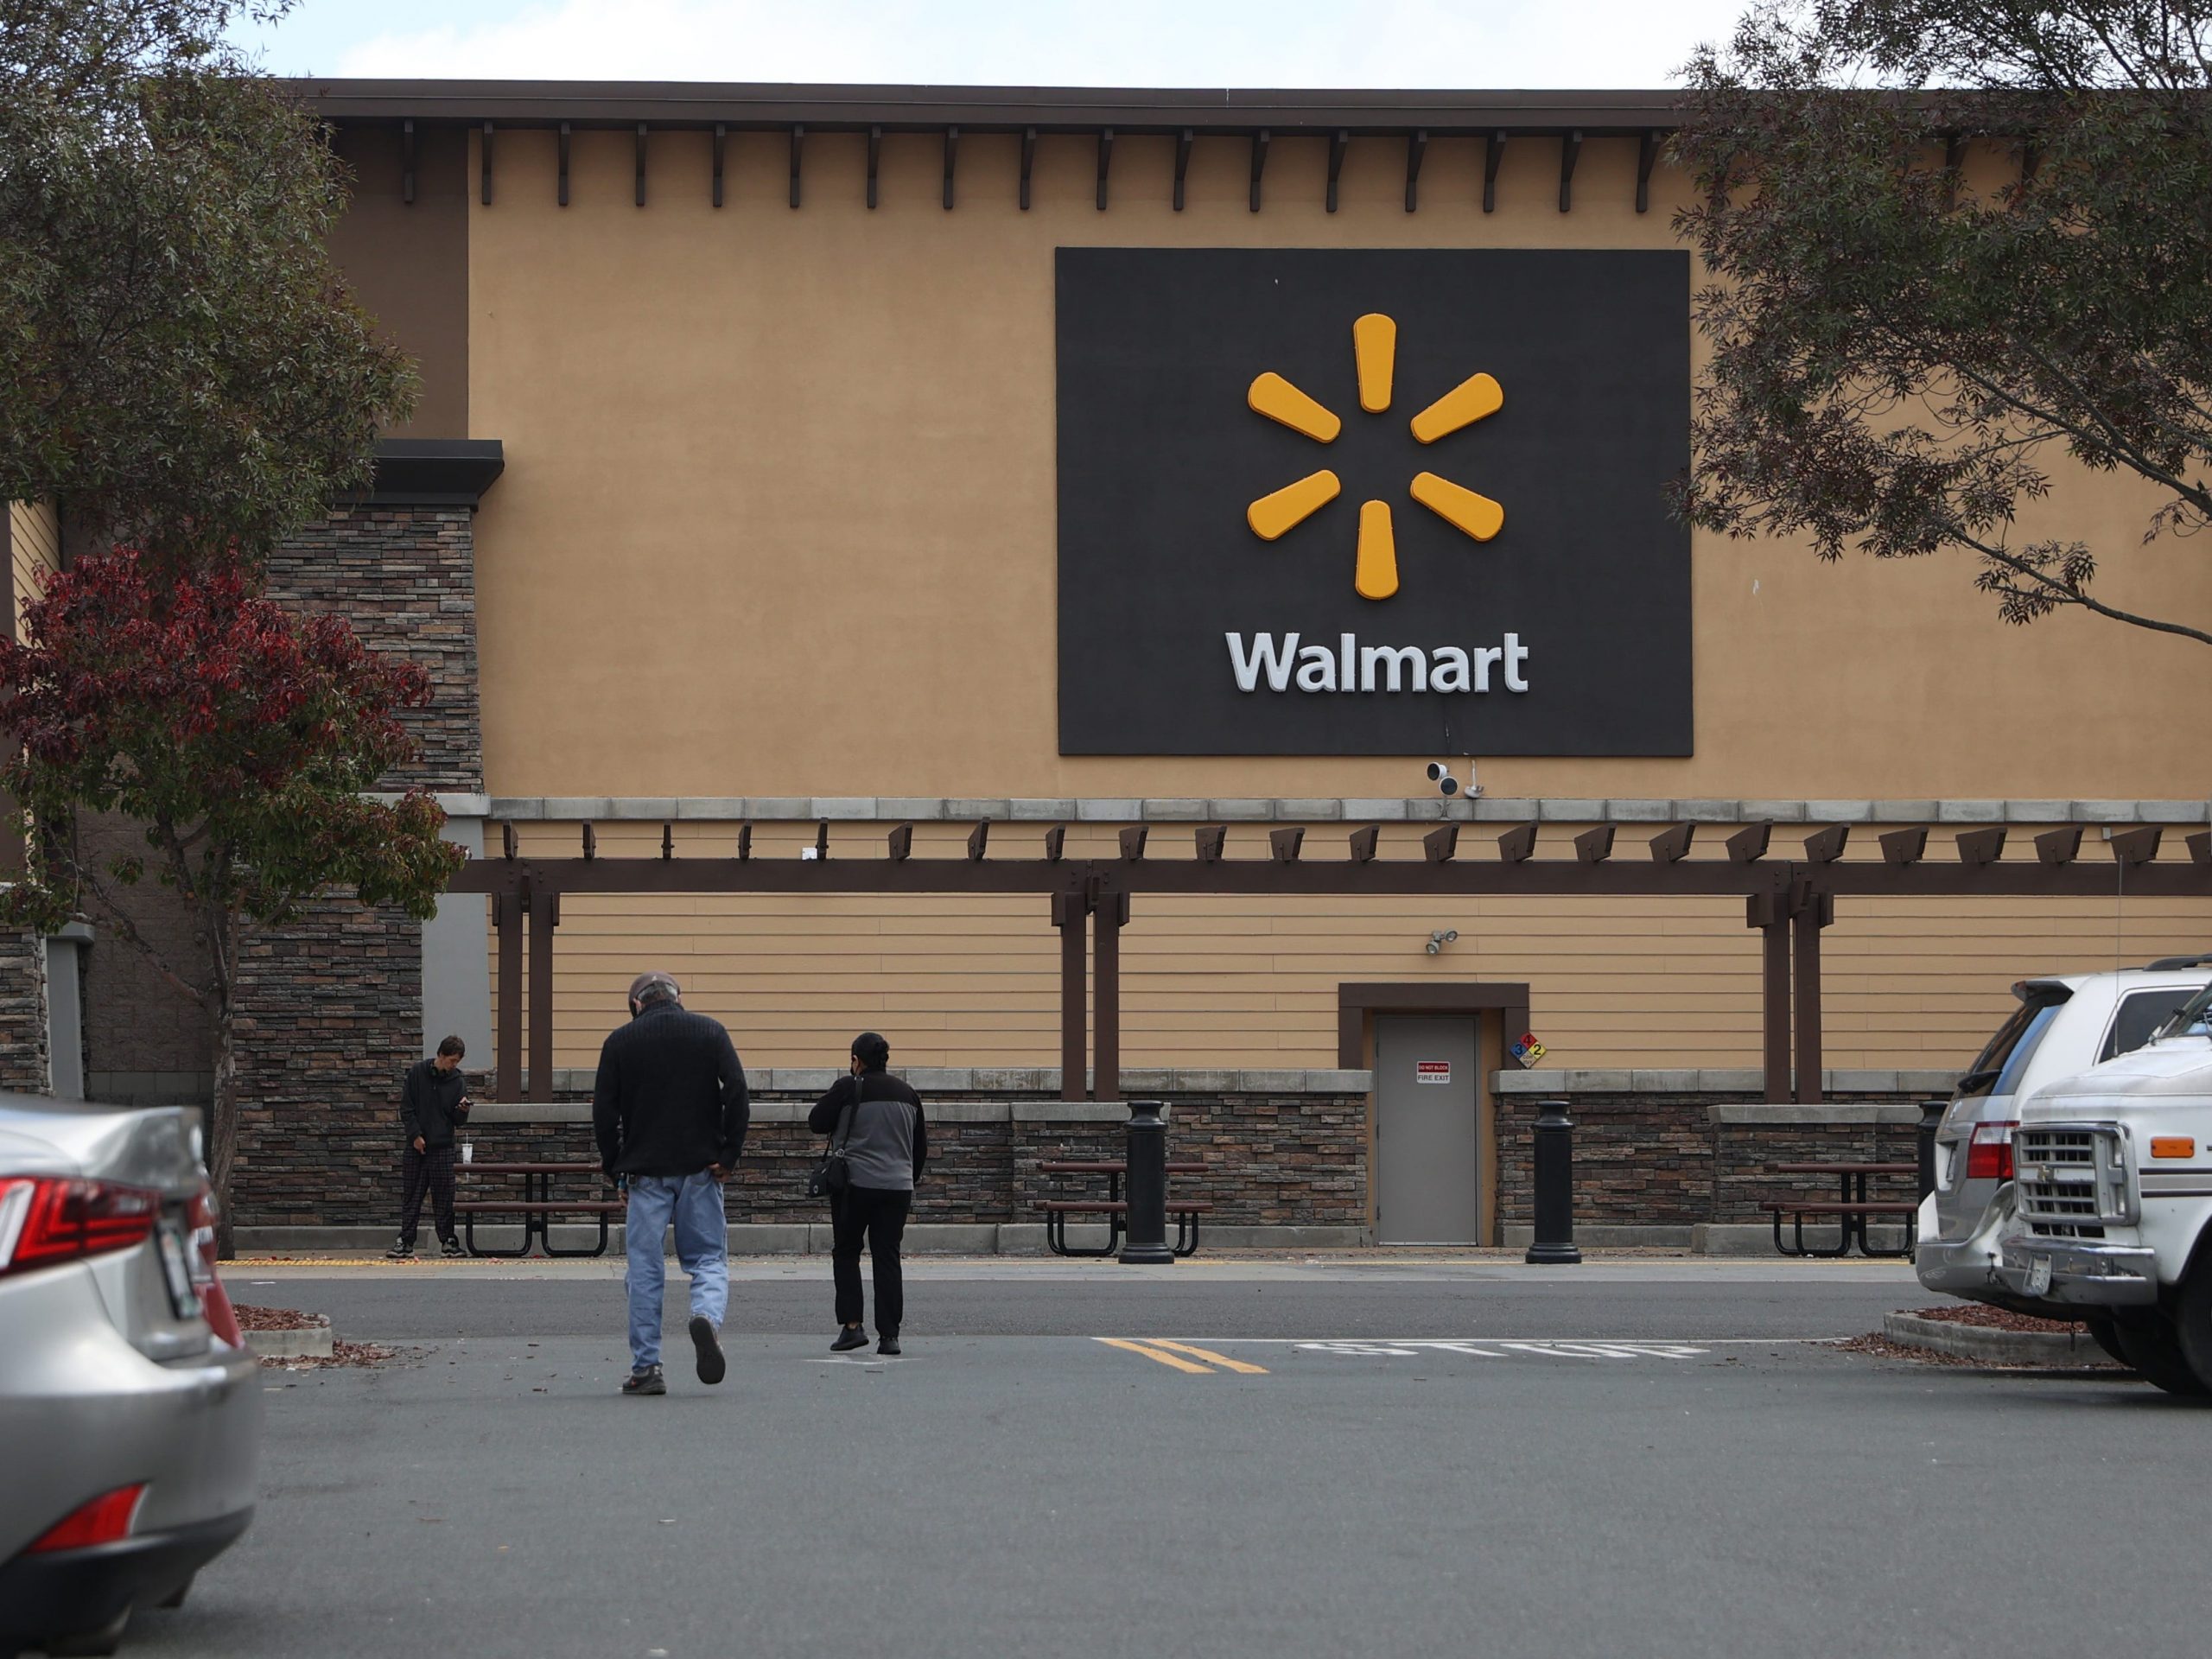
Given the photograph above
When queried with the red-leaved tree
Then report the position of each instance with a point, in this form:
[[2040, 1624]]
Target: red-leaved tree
[[247, 742]]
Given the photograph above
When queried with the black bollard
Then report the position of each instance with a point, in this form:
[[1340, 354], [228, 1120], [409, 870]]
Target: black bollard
[[1931, 1116], [1554, 1169], [1144, 1234]]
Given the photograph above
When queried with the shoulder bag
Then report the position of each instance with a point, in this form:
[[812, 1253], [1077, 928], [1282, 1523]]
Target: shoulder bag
[[834, 1174]]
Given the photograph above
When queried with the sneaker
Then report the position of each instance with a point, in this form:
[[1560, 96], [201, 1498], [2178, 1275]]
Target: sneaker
[[648, 1381], [888, 1345], [848, 1340], [403, 1251], [712, 1366], [451, 1246]]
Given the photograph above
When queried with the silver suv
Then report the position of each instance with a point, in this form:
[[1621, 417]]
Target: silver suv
[[130, 1406], [2064, 1024]]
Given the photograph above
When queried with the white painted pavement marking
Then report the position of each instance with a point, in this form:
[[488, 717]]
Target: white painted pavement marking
[[1505, 1349]]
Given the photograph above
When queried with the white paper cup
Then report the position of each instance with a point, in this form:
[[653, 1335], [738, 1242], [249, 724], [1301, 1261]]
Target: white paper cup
[[468, 1153]]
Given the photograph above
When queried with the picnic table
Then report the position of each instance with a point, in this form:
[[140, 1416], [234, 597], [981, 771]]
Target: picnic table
[[535, 1207], [1113, 1208], [1850, 1208]]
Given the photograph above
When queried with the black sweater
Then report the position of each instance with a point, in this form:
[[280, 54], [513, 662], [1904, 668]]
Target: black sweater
[[429, 1103], [671, 1098]]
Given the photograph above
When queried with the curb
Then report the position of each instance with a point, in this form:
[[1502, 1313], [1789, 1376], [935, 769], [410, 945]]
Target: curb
[[310, 1342], [1996, 1347]]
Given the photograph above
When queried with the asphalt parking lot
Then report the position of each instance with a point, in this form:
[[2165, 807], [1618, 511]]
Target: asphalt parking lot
[[1642, 1459]]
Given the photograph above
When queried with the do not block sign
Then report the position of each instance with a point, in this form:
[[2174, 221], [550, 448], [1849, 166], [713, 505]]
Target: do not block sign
[[1432, 1072]]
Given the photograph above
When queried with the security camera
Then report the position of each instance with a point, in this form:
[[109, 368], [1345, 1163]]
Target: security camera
[[1440, 774]]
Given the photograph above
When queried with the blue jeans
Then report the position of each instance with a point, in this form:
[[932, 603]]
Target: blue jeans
[[694, 1204]]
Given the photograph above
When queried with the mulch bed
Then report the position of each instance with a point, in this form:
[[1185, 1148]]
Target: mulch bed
[[274, 1318], [1992, 1318]]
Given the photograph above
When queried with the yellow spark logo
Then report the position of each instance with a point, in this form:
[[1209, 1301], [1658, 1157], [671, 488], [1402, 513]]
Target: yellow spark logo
[[1375, 350]]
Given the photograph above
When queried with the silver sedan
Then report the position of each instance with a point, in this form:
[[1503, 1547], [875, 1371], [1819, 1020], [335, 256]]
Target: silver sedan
[[130, 1407]]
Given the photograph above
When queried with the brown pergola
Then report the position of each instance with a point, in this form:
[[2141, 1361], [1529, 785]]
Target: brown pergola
[[1788, 898]]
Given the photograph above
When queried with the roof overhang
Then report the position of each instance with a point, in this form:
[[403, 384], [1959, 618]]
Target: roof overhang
[[434, 472]]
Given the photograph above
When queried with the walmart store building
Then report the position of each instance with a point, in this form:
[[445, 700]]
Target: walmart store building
[[795, 464]]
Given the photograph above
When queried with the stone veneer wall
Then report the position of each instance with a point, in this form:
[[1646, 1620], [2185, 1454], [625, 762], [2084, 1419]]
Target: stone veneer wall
[[23, 1060], [1662, 1161], [1270, 1160], [330, 1007]]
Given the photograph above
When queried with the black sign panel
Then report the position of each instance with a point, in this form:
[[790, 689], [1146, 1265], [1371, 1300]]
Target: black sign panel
[[1514, 586]]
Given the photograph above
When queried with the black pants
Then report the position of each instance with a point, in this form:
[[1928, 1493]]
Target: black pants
[[877, 1217], [430, 1171]]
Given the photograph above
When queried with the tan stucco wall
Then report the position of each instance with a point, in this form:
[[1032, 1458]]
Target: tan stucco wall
[[738, 439]]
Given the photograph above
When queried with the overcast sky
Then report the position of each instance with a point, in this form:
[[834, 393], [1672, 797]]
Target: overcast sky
[[1325, 43]]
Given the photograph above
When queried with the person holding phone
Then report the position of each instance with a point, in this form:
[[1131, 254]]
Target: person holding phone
[[433, 1102]]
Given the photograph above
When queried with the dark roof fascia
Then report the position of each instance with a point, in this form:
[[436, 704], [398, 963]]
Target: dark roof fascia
[[982, 108], [432, 472]]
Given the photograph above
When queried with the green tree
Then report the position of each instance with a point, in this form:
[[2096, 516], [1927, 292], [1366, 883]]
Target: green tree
[[180, 364], [1899, 361], [181, 369]]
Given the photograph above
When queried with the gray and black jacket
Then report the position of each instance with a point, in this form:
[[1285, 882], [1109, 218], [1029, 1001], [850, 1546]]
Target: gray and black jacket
[[890, 1141]]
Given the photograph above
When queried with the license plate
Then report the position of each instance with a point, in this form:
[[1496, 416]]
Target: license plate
[[181, 1298], [2038, 1275]]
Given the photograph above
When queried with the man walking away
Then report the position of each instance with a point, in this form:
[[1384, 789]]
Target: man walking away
[[669, 1111], [433, 1100], [885, 1144]]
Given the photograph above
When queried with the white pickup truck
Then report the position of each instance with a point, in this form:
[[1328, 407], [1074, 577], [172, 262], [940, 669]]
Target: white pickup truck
[[2112, 1203]]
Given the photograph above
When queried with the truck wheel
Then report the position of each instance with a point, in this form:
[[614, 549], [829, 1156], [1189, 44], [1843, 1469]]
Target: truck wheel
[[2193, 1322], [2104, 1333], [2154, 1349]]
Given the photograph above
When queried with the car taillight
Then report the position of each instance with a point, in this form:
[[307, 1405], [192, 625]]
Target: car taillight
[[214, 1301], [107, 1520], [44, 1220], [1989, 1153]]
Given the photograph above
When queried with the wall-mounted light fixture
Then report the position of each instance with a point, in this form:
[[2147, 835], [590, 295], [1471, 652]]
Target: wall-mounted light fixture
[[1440, 938]]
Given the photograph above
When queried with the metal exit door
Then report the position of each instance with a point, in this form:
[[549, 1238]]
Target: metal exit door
[[1428, 1132]]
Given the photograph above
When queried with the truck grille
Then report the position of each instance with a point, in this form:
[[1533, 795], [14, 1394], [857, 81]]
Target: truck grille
[[2072, 1181]]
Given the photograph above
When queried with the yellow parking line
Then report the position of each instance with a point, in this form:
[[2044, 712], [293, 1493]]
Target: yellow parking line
[[1155, 1354], [1221, 1360]]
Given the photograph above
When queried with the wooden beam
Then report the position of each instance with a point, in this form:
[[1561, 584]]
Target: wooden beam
[[591, 843], [1594, 846], [407, 183], [902, 841], [1212, 842], [1441, 844], [1493, 153], [1183, 141], [1979, 847], [1132, 840], [799, 144], [952, 151], [1284, 845], [2057, 847], [561, 191], [1259, 164], [1055, 842], [1647, 153], [1670, 846], [544, 916], [1339, 141], [1826, 846], [1814, 914], [667, 841], [2200, 850], [1105, 162], [641, 163], [1416, 147], [979, 838], [507, 841], [744, 843], [1516, 845], [1028, 162], [1364, 841], [1570, 152], [2134, 847], [821, 839], [722, 147], [1748, 844], [1071, 911], [1903, 848], [484, 164], [874, 160]]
